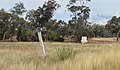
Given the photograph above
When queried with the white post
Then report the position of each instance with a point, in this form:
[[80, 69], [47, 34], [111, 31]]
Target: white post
[[84, 40], [41, 44]]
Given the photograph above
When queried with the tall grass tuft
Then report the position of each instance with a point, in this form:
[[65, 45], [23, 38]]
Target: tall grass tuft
[[64, 53]]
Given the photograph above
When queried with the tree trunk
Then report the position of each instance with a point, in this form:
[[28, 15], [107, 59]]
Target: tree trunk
[[118, 33], [4, 35]]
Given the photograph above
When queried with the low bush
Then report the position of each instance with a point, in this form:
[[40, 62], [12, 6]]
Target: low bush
[[65, 53]]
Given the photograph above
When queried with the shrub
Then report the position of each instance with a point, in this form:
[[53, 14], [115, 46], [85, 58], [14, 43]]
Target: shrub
[[65, 53]]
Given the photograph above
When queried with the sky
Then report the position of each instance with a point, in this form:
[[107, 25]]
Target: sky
[[101, 10]]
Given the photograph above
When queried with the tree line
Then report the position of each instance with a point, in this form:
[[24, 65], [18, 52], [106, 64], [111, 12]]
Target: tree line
[[13, 25]]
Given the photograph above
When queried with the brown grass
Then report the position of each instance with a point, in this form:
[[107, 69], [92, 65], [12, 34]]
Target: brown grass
[[27, 56]]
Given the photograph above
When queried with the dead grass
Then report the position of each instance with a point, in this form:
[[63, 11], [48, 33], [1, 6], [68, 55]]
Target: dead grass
[[104, 39], [26, 56]]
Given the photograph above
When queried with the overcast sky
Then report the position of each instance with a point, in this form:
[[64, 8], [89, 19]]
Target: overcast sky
[[101, 10]]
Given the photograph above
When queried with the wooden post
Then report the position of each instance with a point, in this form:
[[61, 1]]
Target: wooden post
[[41, 44]]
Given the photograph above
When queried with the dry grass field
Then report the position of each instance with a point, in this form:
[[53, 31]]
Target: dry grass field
[[104, 39], [27, 56]]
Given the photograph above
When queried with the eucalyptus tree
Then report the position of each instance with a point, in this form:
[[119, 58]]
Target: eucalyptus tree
[[18, 9], [18, 23], [100, 31], [113, 26], [56, 30], [5, 20], [39, 17], [80, 13], [62, 29]]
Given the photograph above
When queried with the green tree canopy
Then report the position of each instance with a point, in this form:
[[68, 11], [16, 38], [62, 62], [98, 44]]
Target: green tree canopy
[[18, 9], [42, 15], [78, 25], [113, 26]]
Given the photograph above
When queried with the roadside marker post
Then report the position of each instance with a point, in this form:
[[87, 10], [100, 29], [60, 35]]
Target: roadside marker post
[[39, 30], [84, 40]]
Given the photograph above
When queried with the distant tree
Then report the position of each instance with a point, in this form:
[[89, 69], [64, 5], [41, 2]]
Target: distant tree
[[5, 20], [80, 13], [62, 29], [113, 26], [2, 10], [18, 9], [20, 28], [100, 31], [19, 25], [56, 30], [13, 25]]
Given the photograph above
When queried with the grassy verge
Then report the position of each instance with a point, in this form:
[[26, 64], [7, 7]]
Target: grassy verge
[[27, 56]]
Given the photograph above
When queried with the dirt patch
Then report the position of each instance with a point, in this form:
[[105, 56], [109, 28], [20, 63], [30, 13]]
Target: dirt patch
[[102, 42]]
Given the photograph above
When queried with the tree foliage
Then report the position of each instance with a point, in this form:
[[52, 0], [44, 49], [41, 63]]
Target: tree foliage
[[113, 26], [55, 30], [5, 20], [43, 14], [78, 25], [11, 24], [18, 9]]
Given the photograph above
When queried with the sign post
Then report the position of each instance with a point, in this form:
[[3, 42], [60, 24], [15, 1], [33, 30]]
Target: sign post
[[84, 40], [39, 30]]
